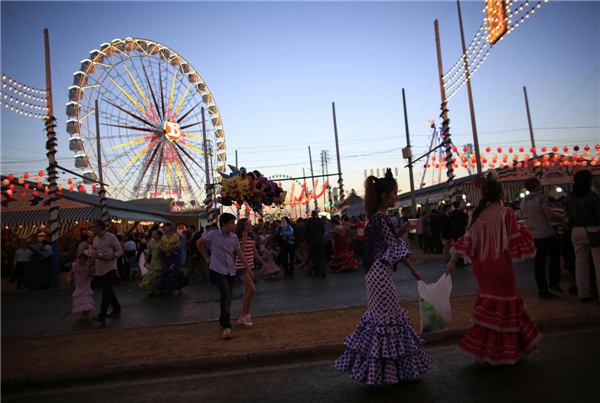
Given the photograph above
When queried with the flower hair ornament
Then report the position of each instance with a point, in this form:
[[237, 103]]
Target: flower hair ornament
[[492, 175]]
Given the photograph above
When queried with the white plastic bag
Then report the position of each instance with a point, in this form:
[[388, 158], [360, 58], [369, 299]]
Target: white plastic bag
[[434, 304], [142, 262]]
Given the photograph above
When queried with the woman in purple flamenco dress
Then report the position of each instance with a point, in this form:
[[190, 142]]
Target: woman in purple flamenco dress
[[384, 349]]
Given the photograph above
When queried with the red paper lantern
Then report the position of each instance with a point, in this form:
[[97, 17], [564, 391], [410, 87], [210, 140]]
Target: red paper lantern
[[552, 163], [465, 149], [12, 187], [565, 149], [26, 175], [10, 177], [40, 185], [59, 192], [487, 150], [586, 148], [499, 149], [484, 160], [544, 149], [70, 189], [23, 194], [69, 181], [35, 192], [576, 148], [433, 158], [532, 149], [93, 187], [554, 149], [597, 146], [521, 149], [510, 150], [47, 191], [519, 165], [562, 164], [437, 165], [41, 173], [27, 186]]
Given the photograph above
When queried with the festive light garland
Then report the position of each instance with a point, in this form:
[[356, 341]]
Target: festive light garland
[[454, 84], [16, 89], [22, 88]]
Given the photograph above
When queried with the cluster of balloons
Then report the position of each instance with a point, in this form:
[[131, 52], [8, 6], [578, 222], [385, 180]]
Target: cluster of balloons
[[241, 186]]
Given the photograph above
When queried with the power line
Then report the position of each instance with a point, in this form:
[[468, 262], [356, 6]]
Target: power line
[[19, 18]]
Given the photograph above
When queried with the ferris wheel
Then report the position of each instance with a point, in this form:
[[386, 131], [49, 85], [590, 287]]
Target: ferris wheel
[[150, 103]]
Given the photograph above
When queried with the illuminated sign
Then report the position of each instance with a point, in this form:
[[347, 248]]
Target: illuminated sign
[[162, 195], [172, 130], [496, 20]]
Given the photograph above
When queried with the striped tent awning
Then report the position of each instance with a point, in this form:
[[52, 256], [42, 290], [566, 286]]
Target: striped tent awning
[[137, 216], [15, 219]]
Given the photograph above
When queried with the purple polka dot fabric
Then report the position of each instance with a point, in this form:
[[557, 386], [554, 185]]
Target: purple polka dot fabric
[[384, 349]]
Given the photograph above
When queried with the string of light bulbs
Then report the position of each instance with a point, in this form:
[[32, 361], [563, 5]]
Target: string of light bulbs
[[17, 86], [22, 111], [18, 101], [453, 85]]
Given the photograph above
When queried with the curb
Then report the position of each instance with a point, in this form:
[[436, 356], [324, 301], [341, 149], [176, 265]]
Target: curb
[[260, 358]]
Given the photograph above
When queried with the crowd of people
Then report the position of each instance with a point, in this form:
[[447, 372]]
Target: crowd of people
[[384, 348]]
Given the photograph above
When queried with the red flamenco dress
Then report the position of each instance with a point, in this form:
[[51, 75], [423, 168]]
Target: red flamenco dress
[[501, 331], [342, 259]]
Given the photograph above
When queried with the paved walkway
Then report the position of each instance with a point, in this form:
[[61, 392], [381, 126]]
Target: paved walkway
[[113, 351]]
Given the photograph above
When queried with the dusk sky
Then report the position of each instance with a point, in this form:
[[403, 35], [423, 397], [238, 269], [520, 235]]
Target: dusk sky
[[274, 68]]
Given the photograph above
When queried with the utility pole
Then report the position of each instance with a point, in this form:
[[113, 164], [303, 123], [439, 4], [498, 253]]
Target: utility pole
[[444, 115], [325, 168], [473, 125], [529, 120], [237, 166], [312, 174], [413, 198], [210, 208], [104, 215], [52, 175], [305, 192], [337, 150]]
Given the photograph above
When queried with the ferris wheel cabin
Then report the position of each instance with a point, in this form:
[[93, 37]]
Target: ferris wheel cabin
[[80, 79], [90, 177], [75, 93], [81, 161], [73, 109], [76, 144], [87, 66], [73, 126]]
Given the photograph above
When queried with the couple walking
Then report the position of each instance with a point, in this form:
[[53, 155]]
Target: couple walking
[[385, 349]]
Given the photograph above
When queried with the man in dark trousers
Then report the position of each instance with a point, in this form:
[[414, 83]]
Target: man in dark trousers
[[315, 233], [436, 232], [195, 263], [458, 224]]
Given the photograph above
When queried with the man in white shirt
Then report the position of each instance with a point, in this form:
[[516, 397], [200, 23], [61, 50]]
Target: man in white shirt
[[106, 269], [22, 255]]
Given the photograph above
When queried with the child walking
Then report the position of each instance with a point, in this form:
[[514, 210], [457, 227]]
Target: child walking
[[384, 349], [81, 274], [270, 268]]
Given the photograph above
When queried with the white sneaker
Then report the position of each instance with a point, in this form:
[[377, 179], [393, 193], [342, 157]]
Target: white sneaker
[[243, 320]]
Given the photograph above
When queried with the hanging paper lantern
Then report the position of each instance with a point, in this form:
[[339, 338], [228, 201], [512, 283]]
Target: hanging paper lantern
[[10, 177], [26, 175], [546, 156], [454, 149], [501, 165], [21, 181], [598, 152], [12, 187], [455, 166], [60, 192], [69, 181], [36, 178], [591, 158], [597, 147], [70, 189], [544, 149], [9, 191], [5, 182], [576, 148], [47, 191], [571, 164], [453, 159], [41, 173], [82, 188], [586, 154], [519, 165], [510, 150], [27, 186], [552, 164], [193, 201], [433, 158], [437, 165], [499, 149], [532, 149], [59, 187], [35, 193], [23, 194], [586, 148], [562, 164], [554, 149], [487, 150], [521, 149], [510, 165], [465, 149], [484, 160], [575, 155], [40, 185], [584, 163], [461, 155], [565, 149], [472, 165]]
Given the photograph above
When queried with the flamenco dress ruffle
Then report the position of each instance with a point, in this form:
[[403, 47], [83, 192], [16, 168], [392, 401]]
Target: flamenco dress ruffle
[[501, 330], [384, 349], [83, 300], [172, 278], [342, 262]]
